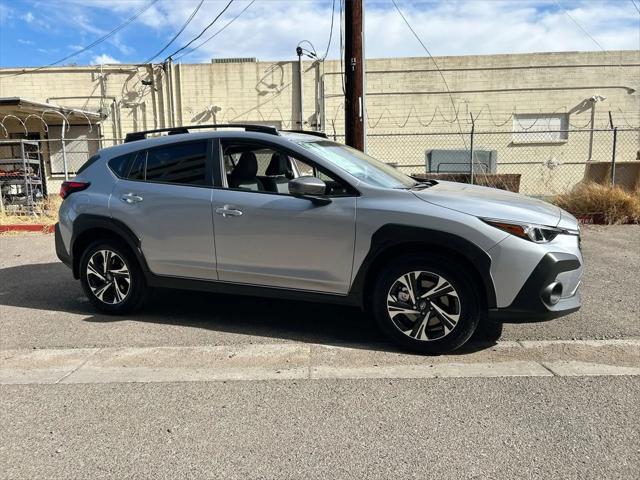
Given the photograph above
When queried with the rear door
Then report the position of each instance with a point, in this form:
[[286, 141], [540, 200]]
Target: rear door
[[165, 198]]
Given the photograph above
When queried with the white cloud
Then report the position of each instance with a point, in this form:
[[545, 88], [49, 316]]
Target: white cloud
[[35, 22], [28, 17], [271, 29], [25, 42], [103, 59]]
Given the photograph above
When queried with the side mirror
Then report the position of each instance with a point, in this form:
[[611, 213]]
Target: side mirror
[[311, 188]]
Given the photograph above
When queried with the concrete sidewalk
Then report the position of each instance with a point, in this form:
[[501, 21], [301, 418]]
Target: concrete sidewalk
[[312, 361]]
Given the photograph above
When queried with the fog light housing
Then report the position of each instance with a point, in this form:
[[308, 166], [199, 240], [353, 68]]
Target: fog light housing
[[552, 293]]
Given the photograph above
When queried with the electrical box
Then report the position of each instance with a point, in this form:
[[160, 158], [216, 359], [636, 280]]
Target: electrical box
[[457, 161]]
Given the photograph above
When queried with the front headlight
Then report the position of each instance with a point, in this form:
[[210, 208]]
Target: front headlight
[[530, 231]]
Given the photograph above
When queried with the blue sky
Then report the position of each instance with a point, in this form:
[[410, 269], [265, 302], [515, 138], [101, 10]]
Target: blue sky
[[39, 32]]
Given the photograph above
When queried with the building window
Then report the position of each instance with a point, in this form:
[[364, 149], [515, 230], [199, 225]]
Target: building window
[[540, 128]]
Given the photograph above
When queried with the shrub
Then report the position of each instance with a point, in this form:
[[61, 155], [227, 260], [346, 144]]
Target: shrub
[[614, 204]]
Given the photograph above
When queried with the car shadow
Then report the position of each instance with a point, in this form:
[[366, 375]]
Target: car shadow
[[50, 287]]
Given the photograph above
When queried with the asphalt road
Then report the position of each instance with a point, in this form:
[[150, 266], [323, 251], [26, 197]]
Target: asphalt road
[[122, 411], [570, 428], [42, 306]]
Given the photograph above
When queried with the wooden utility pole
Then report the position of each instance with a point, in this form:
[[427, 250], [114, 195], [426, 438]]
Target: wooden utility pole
[[354, 102]]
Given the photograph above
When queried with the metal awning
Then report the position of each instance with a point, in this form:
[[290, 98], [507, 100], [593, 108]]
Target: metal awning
[[21, 110]]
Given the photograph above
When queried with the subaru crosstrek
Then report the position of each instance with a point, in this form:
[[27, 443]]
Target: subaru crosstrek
[[260, 211]]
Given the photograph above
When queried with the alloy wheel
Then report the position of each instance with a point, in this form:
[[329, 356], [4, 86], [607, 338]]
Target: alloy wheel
[[108, 277], [423, 305]]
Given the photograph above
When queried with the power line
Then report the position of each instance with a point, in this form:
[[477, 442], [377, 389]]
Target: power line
[[444, 80], [193, 49], [91, 45], [333, 12], [634, 4], [344, 93], [184, 25], [584, 30], [310, 53], [202, 32]]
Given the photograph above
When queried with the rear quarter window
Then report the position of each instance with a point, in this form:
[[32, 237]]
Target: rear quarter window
[[118, 165]]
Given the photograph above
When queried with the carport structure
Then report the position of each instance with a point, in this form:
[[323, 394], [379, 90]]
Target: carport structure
[[61, 131]]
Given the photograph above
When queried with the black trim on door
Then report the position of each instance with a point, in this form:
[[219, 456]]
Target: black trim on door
[[217, 162]]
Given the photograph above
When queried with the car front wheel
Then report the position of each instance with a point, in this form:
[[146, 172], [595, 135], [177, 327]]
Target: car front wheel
[[426, 303], [111, 278]]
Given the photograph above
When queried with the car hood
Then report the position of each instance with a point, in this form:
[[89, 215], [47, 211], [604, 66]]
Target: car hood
[[490, 203]]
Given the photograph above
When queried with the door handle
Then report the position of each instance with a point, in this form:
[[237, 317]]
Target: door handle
[[228, 211], [131, 198]]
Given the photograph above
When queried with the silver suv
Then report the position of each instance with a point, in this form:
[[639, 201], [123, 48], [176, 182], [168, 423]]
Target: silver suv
[[264, 212]]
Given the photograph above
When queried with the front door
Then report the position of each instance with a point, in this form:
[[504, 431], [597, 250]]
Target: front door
[[166, 200], [273, 239]]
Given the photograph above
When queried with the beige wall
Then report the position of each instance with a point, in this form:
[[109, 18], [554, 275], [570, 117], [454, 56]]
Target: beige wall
[[404, 96]]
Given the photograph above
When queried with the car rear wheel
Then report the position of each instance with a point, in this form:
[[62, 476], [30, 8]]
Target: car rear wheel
[[111, 278], [426, 304]]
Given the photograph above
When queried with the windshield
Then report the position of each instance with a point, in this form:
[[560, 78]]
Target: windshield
[[362, 166]]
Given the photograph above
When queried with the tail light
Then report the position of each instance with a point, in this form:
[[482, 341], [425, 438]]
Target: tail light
[[67, 188]]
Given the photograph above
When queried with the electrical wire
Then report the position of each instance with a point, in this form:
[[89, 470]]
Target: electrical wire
[[444, 80], [584, 30], [184, 25], [333, 11], [92, 44], [636, 6], [342, 80], [312, 52], [193, 49], [184, 47]]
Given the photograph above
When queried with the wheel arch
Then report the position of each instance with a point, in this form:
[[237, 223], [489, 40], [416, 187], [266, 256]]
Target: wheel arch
[[89, 228], [393, 241]]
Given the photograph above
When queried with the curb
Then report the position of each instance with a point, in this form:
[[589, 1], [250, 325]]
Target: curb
[[27, 228]]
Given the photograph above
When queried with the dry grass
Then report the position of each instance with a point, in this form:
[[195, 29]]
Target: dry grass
[[47, 214], [615, 204]]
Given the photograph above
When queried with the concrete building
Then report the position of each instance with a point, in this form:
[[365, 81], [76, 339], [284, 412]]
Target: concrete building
[[410, 111]]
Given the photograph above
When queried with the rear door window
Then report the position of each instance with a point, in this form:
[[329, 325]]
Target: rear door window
[[183, 163]]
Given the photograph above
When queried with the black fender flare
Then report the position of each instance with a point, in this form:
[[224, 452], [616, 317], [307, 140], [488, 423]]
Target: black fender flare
[[87, 222], [392, 237]]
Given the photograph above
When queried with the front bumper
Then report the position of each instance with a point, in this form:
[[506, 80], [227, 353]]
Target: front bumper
[[61, 250], [532, 303]]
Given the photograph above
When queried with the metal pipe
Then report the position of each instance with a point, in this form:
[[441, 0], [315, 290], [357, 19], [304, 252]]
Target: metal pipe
[[613, 157], [481, 69], [300, 90], [593, 118], [629, 90], [153, 96], [64, 153], [473, 129], [169, 72]]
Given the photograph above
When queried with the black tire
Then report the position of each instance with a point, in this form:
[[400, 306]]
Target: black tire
[[137, 291], [488, 331], [466, 307]]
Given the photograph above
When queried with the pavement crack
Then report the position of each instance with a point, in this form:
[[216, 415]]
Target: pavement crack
[[548, 369], [79, 366]]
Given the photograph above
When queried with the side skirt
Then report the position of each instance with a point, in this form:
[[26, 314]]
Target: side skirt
[[157, 281]]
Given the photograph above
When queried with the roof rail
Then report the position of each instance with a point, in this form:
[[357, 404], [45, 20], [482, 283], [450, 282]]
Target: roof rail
[[134, 136], [315, 133]]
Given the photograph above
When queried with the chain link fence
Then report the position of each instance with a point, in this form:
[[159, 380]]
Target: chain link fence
[[537, 163]]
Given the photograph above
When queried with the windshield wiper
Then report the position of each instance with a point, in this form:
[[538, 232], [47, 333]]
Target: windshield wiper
[[423, 185]]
